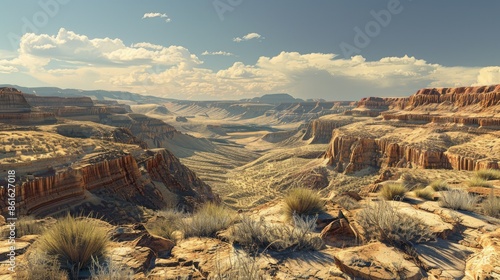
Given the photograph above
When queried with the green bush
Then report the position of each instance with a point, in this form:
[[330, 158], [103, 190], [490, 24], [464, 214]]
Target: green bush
[[303, 201], [382, 222], [74, 242], [439, 185], [458, 200], [207, 221], [393, 191], [478, 182], [488, 174]]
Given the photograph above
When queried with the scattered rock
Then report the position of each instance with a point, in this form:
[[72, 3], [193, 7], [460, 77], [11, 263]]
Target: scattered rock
[[161, 246]]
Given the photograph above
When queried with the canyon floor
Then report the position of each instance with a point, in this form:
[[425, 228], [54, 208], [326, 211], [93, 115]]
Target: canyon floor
[[130, 163]]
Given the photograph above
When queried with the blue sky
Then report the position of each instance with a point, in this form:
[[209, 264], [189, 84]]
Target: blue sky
[[230, 49]]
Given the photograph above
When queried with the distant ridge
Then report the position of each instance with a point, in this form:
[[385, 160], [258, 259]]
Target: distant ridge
[[274, 98], [94, 94]]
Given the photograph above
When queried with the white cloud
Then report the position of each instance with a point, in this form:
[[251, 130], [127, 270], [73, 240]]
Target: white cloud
[[73, 60], [155, 15], [248, 37], [223, 53]]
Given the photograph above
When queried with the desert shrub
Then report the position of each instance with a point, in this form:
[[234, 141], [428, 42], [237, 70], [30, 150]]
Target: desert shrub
[[412, 181], [346, 202], [488, 174], [109, 270], [241, 267], [478, 182], [302, 201], [166, 223], [75, 242], [252, 233], [207, 221], [393, 191], [457, 200], [28, 225], [384, 223], [40, 266], [426, 194], [491, 205], [439, 185]]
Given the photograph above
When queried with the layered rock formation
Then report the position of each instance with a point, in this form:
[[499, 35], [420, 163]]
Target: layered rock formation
[[55, 101], [320, 130], [435, 128], [116, 175], [14, 109]]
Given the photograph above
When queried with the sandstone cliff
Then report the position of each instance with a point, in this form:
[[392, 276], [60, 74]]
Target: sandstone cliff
[[55, 101], [14, 109]]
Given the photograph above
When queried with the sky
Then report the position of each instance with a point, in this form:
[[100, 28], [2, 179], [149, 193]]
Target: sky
[[233, 49]]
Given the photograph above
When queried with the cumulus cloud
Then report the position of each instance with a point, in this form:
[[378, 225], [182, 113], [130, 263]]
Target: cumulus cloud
[[157, 15], [223, 53], [248, 37], [72, 60]]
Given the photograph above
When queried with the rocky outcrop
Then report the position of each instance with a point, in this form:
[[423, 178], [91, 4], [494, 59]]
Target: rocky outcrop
[[485, 96], [384, 146], [13, 101], [55, 101], [485, 264], [434, 118], [320, 130], [14, 109], [114, 175]]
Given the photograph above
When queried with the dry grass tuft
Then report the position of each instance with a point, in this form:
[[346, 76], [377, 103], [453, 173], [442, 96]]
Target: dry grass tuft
[[491, 205], [166, 223], [109, 270], [261, 234], [478, 182], [488, 174], [242, 267], [426, 194], [75, 242], [28, 225], [40, 266], [207, 221], [303, 201], [458, 200], [393, 191], [346, 202], [384, 223], [439, 185]]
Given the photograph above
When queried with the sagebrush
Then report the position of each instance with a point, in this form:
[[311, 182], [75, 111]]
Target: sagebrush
[[384, 223]]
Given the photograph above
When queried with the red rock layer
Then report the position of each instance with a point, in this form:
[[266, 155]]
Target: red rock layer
[[486, 96], [350, 154], [13, 101], [428, 118], [117, 176]]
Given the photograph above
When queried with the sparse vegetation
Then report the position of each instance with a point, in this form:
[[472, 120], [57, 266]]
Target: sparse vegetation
[[439, 185], [346, 202], [207, 221], [109, 270], [166, 223], [241, 267], [411, 181], [426, 194], [382, 222], [488, 174], [29, 225], [478, 182], [252, 233], [40, 266], [74, 242], [393, 191], [457, 200], [491, 205], [302, 201]]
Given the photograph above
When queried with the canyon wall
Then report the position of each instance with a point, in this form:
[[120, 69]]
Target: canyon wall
[[114, 175], [14, 109], [320, 130], [55, 101]]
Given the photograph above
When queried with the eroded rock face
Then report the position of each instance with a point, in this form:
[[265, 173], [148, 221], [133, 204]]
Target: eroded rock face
[[13, 101], [14, 109], [119, 176], [485, 96], [320, 130], [55, 101], [486, 263]]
